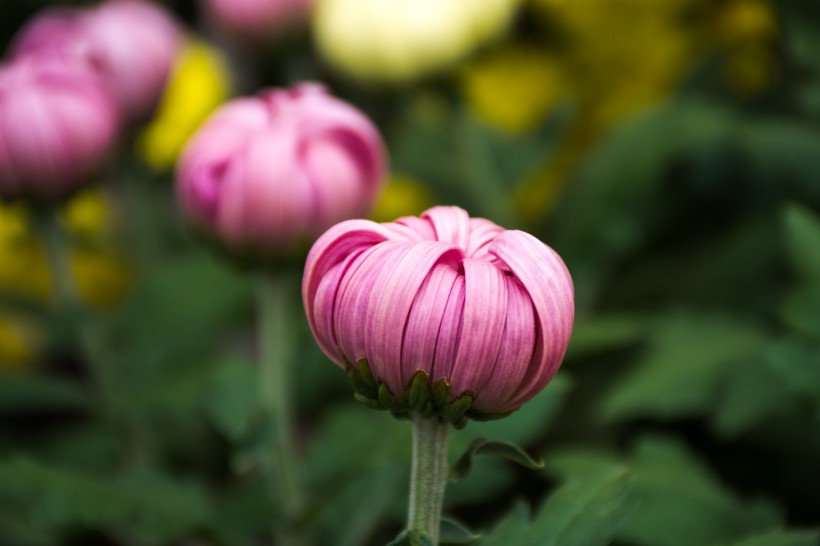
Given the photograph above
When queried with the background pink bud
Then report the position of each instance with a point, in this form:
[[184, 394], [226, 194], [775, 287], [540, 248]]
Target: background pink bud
[[131, 43], [58, 124], [267, 172], [257, 18], [460, 298]]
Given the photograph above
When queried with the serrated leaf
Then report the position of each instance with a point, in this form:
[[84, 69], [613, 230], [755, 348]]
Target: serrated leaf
[[672, 489], [234, 398], [801, 310], [803, 241], [796, 363], [781, 538], [411, 538], [481, 446], [753, 396], [687, 360], [601, 333], [455, 533], [510, 529], [30, 392], [152, 508], [584, 511]]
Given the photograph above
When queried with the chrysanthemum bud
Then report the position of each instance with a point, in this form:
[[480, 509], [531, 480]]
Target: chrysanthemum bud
[[257, 19], [264, 174], [132, 44], [58, 124], [443, 315]]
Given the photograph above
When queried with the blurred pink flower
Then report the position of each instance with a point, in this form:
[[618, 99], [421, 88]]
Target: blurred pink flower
[[131, 43], [58, 124], [463, 300], [257, 18], [268, 172]]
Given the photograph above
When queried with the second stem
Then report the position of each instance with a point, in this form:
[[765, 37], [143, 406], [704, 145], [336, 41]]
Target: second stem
[[276, 354]]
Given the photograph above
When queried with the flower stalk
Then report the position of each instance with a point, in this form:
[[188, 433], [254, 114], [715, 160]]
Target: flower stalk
[[428, 478], [276, 292]]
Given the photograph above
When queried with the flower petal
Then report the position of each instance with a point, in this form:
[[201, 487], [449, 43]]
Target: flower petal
[[485, 308], [549, 285], [391, 297]]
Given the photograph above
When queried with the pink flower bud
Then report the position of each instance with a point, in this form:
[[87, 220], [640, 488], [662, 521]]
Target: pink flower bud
[[131, 43], [266, 173], [257, 18], [485, 311], [58, 124]]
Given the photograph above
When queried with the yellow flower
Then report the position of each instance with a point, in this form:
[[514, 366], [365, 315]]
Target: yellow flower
[[18, 340], [100, 274], [402, 196], [199, 84], [514, 86], [378, 41]]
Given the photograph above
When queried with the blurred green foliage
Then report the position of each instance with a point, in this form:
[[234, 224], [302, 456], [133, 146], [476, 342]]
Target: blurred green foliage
[[687, 412]]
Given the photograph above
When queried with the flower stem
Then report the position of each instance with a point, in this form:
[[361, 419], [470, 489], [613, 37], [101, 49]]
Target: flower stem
[[276, 294], [56, 247], [428, 477]]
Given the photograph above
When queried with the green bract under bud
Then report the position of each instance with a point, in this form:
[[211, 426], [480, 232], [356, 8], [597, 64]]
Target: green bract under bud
[[421, 396]]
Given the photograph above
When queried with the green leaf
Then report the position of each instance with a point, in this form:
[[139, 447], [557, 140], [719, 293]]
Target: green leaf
[[455, 533], [481, 446], [752, 396], [233, 402], [510, 529], [582, 511], [411, 538], [801, 310], [29, 392], [803, 241], [781, 538], [150, 507], [602, 333], [688, 359], [671, 488]]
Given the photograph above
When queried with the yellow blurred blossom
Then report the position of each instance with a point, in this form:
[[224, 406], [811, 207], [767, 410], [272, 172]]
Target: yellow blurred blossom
[[400, 40], [402, 196], [514, 86], [611, 59], [100, 274], [18, 339], [199, 84]]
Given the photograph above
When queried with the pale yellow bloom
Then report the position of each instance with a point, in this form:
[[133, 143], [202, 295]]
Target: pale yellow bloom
[[199, 84], [399, 40]]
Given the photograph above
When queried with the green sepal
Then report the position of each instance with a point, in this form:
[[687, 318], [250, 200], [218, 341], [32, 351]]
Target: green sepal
[[481, 446], [371, 403], [418, 395], [366, 374], [457, 409], [411, 538], [360, 387], [387, 400], [440, 393]]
